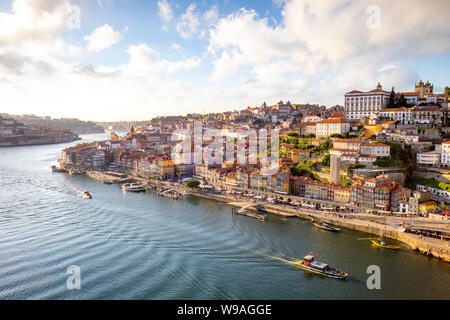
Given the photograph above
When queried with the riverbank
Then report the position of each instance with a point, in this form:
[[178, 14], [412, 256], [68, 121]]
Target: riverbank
[[427, 246], [8, 142]]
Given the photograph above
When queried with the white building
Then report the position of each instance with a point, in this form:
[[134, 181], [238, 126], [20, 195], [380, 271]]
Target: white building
[[360, 104], [351, 144], [312, 118], [328, 127], [432, 158], [445, 153], [376, 149], [404, 115], [98, 159]]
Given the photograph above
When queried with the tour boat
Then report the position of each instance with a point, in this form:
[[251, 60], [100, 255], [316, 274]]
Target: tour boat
[[133, 187], [86, 195], [324, 269], [324, 226]]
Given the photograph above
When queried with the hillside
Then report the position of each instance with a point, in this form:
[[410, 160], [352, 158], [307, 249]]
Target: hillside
[[73, 125]]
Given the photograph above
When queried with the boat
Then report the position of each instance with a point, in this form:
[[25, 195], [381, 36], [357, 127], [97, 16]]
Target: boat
[[381, 244], [308, 263], [86, 195], [56, 169], [73, 172], [324, 226], [133, 187], [171, 194]]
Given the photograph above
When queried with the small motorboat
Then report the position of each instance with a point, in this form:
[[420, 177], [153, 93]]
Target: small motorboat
[[324, 226], [133, 187], [308, 263], [86, 195]]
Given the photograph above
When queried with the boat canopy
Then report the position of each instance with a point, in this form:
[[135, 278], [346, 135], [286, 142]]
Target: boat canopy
[[318, 265]]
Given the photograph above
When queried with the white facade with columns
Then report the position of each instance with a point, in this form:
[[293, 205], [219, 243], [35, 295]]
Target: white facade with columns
[[360, 104]]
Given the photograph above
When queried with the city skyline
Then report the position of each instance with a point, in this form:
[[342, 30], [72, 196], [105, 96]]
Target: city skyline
[[120, 60]]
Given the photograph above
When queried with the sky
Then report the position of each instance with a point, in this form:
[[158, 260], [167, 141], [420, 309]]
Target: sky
[[111, 60]]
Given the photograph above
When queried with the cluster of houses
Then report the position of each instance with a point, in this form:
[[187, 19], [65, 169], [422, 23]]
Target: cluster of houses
[[354, 130]]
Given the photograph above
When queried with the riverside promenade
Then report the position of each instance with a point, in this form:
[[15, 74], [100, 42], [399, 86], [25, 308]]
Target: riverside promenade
[[439, 249], [436, 248]]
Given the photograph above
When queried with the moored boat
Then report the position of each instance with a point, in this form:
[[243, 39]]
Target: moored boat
[[325, 226], [133, 187], [308, 263], [173, 194], [56, 169], [73, 172]]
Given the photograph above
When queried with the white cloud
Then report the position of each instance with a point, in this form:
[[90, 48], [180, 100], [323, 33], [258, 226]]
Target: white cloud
[[145, 61], [188, 23], [31, 46], [165, 13], [102, 38], [33, 21], [318, 51], [212, 15], [322, 49]]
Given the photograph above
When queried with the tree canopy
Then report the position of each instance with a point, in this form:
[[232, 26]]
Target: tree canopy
[[193, 183]]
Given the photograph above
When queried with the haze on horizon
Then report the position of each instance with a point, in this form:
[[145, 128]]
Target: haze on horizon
[[129, 60]]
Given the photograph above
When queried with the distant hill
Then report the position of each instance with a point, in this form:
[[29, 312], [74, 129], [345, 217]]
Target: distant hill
[[125, 126], [14, 133], [75, 126], [122, 126]]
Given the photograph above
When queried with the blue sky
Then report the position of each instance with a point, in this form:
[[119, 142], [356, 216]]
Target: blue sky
[[132, 60]]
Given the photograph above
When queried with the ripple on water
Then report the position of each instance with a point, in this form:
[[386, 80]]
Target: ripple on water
[[142, 246]]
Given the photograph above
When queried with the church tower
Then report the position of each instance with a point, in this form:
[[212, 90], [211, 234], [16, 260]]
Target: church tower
[[424, 89]]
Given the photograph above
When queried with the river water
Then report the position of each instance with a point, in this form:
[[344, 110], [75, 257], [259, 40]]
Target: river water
[[142, 246]]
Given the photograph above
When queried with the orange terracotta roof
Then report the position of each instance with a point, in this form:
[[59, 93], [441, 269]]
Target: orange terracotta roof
[[335, 120]]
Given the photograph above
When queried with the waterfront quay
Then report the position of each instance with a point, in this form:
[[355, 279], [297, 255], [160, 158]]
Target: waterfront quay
[[387, 226], [109, 177], [356, 221]]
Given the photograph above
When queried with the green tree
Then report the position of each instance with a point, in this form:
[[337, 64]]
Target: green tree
[[311, 136], [293, 134], [391, 103], [326, 160], [193, 183], [401, 101], [446, 92]]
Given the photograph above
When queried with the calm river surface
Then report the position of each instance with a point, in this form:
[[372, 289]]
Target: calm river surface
[[141, 246]]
